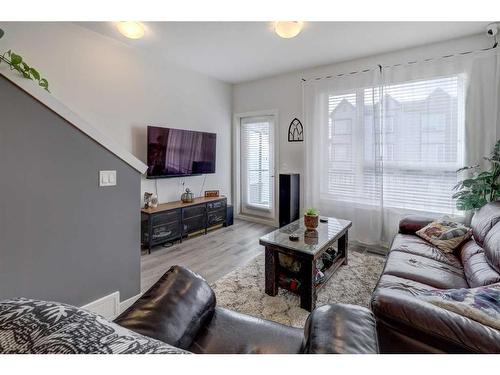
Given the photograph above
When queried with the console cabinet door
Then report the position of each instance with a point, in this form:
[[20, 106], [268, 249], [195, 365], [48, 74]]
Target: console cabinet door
[[166, 217], [162, 233], [216, 217], [192, 211], [194, 224]]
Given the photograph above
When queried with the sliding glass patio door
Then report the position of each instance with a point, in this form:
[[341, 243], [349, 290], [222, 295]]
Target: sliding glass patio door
[[257, 166]]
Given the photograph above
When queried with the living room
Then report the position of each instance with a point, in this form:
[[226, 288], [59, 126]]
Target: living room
[[209, 185]]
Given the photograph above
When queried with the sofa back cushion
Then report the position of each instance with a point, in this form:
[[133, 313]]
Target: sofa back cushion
[[30, 326], [485, 219], [477, 268], [173, 310], [479, 272], [492, 247], [469, 249]]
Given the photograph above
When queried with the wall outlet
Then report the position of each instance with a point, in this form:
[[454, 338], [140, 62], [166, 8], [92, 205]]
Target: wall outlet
[[107, 178]]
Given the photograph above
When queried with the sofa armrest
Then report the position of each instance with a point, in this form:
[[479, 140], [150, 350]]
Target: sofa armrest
[[342, 329], [173, 310], [413, 223]]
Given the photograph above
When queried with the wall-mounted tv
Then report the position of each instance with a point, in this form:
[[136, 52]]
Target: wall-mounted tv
[[177, 152]]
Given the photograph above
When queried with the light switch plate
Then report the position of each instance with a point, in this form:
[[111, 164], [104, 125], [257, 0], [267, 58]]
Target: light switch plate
[[107, 178]]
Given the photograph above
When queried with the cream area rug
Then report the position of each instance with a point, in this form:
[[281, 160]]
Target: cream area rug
[[243, 289]]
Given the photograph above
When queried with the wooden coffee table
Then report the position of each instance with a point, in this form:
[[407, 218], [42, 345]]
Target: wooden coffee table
[[310, 247]]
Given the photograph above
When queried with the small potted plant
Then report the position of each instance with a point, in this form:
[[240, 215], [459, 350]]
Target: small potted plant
[[311, 218]]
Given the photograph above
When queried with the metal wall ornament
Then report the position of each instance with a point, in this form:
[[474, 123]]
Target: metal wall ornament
[[295, 131]]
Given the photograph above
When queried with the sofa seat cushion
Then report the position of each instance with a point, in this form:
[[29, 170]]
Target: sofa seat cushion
[[415, 245], [404, 286], [401, 310], [424, 270], [230, 332], [30, 326]]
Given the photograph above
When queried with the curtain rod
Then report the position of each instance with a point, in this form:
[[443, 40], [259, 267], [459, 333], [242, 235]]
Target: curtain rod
[[495, 44]]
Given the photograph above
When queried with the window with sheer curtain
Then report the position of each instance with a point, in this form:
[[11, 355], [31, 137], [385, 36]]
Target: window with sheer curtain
[[399, 144]]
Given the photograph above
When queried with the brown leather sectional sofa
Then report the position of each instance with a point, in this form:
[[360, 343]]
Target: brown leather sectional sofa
[[180, 309], [405, 323]]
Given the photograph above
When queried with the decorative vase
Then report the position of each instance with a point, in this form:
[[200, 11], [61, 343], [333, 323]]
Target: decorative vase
[[147, 199], [187, 197], [154, 201], [150, 200], [311, 221]]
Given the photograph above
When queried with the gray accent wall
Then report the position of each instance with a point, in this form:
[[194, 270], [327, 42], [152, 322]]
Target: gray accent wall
[[62, 237]]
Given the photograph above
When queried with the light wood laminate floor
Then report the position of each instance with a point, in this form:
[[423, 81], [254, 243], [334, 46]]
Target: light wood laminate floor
[[212, 255]]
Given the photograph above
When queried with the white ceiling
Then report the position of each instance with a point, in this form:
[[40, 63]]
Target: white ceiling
[[241, 51]]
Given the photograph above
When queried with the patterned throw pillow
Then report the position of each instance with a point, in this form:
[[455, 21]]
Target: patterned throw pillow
[[38, 327], [481, 304], [445, 234]]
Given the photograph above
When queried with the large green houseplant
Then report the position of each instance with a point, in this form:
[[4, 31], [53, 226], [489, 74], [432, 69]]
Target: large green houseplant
[[16, 62], [482, 187]]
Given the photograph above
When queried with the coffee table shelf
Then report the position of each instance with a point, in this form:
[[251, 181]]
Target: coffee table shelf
[[311, 246], [329, 272]]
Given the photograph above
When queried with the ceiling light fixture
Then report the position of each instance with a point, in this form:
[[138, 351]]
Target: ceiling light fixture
[[131, 29], [288, 29]]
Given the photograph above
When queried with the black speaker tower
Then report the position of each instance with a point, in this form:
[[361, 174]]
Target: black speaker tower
[[289, 198], [229, 215]]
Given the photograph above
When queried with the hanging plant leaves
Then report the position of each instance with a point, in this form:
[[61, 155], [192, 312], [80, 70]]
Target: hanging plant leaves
[[15, 59], [44, 84], [16, 62], [34, 74]]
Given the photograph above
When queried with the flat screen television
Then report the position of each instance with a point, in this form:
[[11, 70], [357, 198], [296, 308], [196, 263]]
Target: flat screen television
[[177, 152]]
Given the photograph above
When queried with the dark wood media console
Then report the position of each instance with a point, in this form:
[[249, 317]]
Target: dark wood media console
[[174, 220]]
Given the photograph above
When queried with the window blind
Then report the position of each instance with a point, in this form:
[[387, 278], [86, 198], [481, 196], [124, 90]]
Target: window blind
[[400, 144], [256, 162]]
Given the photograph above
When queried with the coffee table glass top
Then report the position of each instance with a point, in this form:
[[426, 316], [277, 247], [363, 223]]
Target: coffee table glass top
[[310, 241]]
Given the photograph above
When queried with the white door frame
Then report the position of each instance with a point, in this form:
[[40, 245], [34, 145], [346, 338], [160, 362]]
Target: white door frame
[[237, 164]]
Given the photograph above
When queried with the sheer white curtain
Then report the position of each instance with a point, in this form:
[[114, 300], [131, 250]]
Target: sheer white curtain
[[343, 169], [482, 115], [381, 144]]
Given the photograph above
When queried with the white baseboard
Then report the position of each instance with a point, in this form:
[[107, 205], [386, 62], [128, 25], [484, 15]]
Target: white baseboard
[[107, 306], [258, 220], [110, 306]]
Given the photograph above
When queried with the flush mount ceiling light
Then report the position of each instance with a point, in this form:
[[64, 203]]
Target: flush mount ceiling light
[[131, 29], [288, 29]]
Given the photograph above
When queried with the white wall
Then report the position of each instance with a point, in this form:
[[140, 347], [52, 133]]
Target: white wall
[[284, 92], [120, 90]]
